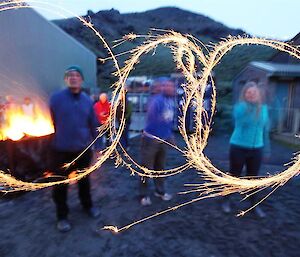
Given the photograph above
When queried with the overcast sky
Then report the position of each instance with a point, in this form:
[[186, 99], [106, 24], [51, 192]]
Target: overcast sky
[[278, 19]]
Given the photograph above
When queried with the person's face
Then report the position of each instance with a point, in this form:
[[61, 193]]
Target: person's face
[[252, 95], [169, 88], [74, 81], [155, 89], [103, 98], [27, 101], [9, 99]]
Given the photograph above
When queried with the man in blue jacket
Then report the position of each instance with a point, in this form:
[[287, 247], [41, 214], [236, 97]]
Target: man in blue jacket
[[75, 126], [159, 124]]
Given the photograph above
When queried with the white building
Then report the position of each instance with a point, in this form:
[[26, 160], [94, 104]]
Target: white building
[[34, 54]]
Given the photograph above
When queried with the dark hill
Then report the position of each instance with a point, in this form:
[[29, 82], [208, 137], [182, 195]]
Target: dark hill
[[113, 25]]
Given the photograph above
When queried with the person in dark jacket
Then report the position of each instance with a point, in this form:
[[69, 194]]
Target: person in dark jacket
[[127, 116], [159, 124], [75, 127]]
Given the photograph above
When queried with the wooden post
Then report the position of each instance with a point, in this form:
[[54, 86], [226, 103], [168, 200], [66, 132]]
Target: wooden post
[[281, 119], [296, 121]]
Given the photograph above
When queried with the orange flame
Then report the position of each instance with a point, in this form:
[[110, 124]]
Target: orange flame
[[18, 124]]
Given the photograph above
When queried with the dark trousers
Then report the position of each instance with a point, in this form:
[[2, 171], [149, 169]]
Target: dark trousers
[[124, 137], [102, 142], [251, 157], [153, 156], [60, 192], [239, 157]]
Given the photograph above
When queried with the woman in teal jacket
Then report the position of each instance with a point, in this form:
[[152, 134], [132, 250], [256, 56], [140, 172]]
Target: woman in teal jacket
[[250, 138]]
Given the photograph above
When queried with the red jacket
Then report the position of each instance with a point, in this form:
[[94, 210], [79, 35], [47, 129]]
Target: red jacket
[[102, 111]]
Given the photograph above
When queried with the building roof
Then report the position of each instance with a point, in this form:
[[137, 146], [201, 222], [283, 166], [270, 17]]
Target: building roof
[[278, 69]]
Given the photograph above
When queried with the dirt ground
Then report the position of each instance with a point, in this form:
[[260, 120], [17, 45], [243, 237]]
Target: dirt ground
[[201, 229]]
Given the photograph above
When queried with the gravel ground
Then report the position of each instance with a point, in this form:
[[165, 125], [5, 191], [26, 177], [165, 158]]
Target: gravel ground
[[201, 229]]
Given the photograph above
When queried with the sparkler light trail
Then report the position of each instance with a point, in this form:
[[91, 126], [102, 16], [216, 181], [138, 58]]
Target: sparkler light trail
[[190, 56], [216, 182]]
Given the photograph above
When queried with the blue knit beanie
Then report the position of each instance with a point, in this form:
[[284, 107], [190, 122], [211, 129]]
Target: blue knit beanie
[[74, 68]]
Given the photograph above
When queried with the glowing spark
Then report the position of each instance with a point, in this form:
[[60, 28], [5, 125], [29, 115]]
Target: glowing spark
[[111, 228], [130, 37]]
